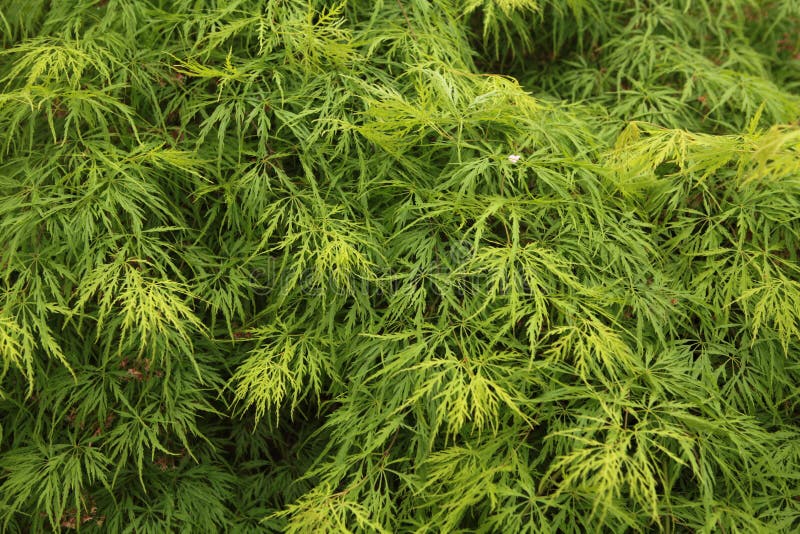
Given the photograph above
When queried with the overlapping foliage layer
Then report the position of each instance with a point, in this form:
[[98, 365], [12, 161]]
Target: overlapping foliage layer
[[266, 265]]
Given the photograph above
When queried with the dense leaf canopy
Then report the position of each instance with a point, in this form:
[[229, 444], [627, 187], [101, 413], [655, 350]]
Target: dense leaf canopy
[[513, 266]]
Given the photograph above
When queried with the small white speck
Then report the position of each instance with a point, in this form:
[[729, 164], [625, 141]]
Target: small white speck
[[513, 158]]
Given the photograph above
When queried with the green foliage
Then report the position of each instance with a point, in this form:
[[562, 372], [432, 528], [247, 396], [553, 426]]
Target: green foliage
[[400, 266]]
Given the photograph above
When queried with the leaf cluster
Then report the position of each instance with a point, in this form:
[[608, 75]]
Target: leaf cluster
[[268, 266]]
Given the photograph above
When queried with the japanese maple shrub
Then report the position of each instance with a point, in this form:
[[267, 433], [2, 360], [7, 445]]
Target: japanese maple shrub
[[500, 266]]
